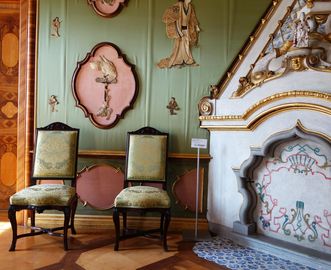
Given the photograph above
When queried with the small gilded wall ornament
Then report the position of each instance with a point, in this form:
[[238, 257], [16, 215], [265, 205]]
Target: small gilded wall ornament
[[107, 8], [56, 24], [53, 102], [183, 27], [173, 106]]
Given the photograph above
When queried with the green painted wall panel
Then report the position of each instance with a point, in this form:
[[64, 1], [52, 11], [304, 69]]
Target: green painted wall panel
[[140, 34]]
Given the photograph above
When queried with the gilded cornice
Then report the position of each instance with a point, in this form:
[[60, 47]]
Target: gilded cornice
[[252, 109], [265, 115]]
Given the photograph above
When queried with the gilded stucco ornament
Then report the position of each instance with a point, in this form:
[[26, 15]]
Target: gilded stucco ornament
[[208, 104], [310, 3], [301, 42], [205, 106]]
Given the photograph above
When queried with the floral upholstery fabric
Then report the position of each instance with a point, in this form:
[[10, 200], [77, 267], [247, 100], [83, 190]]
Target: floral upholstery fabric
[[142, 197], [55, 154], [147, 157], [44, 194]]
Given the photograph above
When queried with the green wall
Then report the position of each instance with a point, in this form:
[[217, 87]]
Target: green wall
[[140, 34]]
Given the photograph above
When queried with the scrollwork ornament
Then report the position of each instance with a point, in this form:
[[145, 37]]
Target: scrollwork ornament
[[205, 107]]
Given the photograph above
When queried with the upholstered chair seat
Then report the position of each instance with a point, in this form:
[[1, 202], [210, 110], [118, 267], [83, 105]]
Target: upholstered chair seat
[[44, 194], [145, 169], [142, 197], [52, 183]]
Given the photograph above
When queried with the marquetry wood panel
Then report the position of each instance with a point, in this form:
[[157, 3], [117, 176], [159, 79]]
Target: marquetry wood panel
[[9, 63], [26, 84]]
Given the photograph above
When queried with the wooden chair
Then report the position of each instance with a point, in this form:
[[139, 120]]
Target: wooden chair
[[55, 158], [146, 165]]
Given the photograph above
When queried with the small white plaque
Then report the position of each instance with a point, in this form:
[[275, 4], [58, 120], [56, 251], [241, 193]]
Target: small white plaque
[[198, 143]]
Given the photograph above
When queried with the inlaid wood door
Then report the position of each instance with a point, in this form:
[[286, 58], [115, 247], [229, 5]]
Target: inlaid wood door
[[9, 63]]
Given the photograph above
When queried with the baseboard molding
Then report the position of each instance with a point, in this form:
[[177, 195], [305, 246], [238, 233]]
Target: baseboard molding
[[94, 222], [287, 251]]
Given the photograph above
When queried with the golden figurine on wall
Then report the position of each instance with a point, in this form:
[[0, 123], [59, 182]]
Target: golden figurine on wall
[[173, 106], [53, 102], [183, 27], [56, 24]]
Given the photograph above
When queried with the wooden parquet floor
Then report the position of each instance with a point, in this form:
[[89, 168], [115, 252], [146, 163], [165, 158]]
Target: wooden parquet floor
[[94, 251]]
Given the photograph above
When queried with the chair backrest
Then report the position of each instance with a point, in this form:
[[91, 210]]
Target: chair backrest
[[146, 156], [55, 153]]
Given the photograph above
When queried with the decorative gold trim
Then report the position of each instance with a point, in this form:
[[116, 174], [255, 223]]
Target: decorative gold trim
[[244, 89], [262, 117], [121, 154], [266, 101], [247, 46], [226, 78], [100, 153], [310, 3]]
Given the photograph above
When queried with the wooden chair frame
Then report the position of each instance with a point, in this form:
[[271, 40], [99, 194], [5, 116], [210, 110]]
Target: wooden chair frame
[[164, 212], [69, 210]]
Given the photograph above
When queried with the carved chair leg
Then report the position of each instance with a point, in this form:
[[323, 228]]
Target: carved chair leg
[[116, 219], [165, 229], [125, 227], [72, 218], [13, 222], [67, 212], [162, 225], [33, 219]]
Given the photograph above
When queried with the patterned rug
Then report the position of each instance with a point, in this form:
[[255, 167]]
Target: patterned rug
[[225, 252]]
